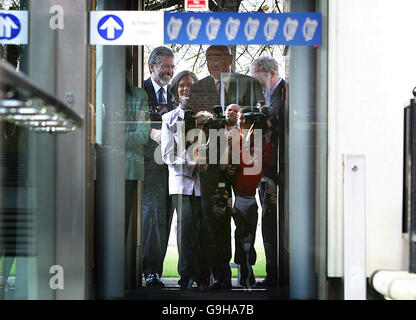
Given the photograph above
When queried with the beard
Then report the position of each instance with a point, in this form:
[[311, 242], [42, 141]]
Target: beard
[[164, 78]]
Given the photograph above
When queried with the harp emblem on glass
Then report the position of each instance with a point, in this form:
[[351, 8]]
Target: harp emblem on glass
[[251, 27], [309, 29], [270, 28], [212, 28], [174, 26], [289, 29], [192, 28], [231, 28]]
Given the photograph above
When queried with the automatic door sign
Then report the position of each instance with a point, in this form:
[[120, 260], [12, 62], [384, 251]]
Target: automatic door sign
[[13, 27], [126, 27], [231, 28]]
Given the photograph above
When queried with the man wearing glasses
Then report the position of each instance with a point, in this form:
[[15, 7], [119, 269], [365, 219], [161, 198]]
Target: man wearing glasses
[[157, 211]]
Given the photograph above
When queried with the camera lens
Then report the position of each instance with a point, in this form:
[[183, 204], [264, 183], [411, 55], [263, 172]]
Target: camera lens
[[221, 202]]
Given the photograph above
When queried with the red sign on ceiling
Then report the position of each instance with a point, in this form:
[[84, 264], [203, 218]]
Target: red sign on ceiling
[[196, 5]]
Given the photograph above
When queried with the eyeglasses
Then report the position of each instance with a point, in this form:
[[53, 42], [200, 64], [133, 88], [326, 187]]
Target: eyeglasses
[[166, 66]]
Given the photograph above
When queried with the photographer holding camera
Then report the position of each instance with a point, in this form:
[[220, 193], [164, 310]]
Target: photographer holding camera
[[215, 195], [246, 176]]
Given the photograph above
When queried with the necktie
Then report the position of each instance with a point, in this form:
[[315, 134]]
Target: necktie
[[161, 96], [218, 85]]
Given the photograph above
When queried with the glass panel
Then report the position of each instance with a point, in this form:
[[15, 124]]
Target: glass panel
[[193, 208], [208, 66], [170, 197], [27, 217]]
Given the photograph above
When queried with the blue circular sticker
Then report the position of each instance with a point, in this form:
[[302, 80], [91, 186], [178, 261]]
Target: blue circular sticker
[[9, 26], [110, 27]]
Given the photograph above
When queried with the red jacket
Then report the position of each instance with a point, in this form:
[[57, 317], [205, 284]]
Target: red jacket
[[245, 182]]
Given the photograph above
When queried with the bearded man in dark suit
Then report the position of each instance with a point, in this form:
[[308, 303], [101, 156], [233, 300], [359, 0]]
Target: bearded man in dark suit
[[161, 66], [157, 211], [223, 87]]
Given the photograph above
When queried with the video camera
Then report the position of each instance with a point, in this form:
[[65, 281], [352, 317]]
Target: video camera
[[221, 200], [156, 112], [216, 122], [189, 119], [258, 116]]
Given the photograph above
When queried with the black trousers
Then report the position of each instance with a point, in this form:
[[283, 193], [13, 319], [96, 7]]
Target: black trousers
[[269, 231], [217, 240], [189, 223], [157, 219], [216, 226]]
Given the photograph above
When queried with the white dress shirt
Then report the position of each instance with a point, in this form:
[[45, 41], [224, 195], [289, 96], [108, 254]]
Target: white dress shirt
[[156, 86], [181, 166]]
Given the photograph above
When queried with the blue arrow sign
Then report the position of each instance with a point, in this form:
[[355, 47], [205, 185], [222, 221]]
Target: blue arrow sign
[[232, 28], [9, 26], [110, 27]]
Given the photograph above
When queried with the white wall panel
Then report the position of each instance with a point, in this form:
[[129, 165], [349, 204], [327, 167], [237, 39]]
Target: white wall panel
[[372, 69]]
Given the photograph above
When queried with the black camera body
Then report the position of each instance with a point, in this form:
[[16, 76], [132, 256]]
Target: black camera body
[[156, 112], [189, 124], [259, 119], [216, 122], [189, 119], [222, 195]]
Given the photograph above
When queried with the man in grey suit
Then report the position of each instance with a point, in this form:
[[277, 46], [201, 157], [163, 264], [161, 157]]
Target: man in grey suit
[[266, 70], [221, 87]]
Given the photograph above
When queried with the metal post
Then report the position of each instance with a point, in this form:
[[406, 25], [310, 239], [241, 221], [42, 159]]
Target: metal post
[[321, 165], [72, 177], [40, 151], [139, 216], [412, 213], [110, 258], [302, 277]]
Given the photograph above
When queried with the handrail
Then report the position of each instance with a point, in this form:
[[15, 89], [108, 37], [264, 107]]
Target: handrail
[[18, 81], [394, 284]]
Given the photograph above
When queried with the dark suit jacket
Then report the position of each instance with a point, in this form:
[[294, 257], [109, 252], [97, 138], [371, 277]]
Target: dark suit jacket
[[243, 90], [151, 94], [277, 104], [150, 146], [277, 118]]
